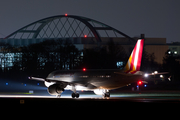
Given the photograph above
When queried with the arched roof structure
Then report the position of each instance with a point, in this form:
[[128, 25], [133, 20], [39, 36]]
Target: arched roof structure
[[66, 26]]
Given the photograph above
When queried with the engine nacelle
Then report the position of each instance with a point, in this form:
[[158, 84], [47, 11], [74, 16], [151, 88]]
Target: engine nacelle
[[55, 89], [99, 91]]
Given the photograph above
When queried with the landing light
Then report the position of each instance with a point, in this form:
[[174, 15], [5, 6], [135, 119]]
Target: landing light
[[47, 84], [146, 75], [99, 91], [85, 36], [66, 14]]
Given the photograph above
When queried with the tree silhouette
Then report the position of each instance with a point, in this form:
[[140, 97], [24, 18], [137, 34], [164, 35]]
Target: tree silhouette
[[171, 64], [104, 57], [50, 55]]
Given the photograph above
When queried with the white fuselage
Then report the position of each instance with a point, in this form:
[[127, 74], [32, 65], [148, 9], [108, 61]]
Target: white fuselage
[[94, 79]]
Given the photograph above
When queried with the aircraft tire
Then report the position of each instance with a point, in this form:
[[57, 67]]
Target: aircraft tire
[[75, 95], [107, 94]]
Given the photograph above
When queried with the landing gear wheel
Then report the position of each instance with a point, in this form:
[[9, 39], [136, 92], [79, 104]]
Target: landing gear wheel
[[107, 94], [75, 95]]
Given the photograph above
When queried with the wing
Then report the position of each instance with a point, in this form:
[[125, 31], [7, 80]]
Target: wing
[[36, 78], [161, 73], [80, 85]]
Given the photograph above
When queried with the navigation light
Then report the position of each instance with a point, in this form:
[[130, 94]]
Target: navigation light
[[140, 82], [84, 69]]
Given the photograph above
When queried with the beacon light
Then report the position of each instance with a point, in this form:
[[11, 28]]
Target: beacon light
[[84, 69], [140, 82]]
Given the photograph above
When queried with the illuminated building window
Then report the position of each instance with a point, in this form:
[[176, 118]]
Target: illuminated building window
[[119, 64], [8, 60]]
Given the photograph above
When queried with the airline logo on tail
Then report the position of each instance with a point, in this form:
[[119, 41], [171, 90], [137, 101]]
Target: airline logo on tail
[[134, 62]]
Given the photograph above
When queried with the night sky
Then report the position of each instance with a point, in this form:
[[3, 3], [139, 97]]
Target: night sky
[[154, 18]]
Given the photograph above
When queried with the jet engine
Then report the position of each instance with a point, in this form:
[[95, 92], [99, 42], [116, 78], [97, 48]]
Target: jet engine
[[103, 92], [99, 91], [55, 89]]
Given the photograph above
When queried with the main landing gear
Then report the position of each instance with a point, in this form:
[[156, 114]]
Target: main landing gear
[[74, 94], [106, 94]]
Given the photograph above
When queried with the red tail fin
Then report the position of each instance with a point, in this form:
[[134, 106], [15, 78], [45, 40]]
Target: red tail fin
[[134, 62]]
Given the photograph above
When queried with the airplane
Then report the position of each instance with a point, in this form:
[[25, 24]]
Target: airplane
[[97, 80]]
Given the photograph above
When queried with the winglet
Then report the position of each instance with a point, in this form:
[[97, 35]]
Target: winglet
[[134, 61]]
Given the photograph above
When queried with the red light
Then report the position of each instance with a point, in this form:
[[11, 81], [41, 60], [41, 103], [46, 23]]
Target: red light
[[66, 14], [85, 36], [140, 82], [84, 69]]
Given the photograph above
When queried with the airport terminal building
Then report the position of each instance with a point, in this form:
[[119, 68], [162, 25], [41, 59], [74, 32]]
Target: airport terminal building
[[84, 33]]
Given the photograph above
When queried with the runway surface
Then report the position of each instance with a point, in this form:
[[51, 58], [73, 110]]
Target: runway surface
[[137, 95], [90, 99]]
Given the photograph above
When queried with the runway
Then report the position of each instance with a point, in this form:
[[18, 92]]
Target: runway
[[116, 99], [113, 96]]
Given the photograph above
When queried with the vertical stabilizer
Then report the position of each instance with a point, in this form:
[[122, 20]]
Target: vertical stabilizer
[[134, 61]]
